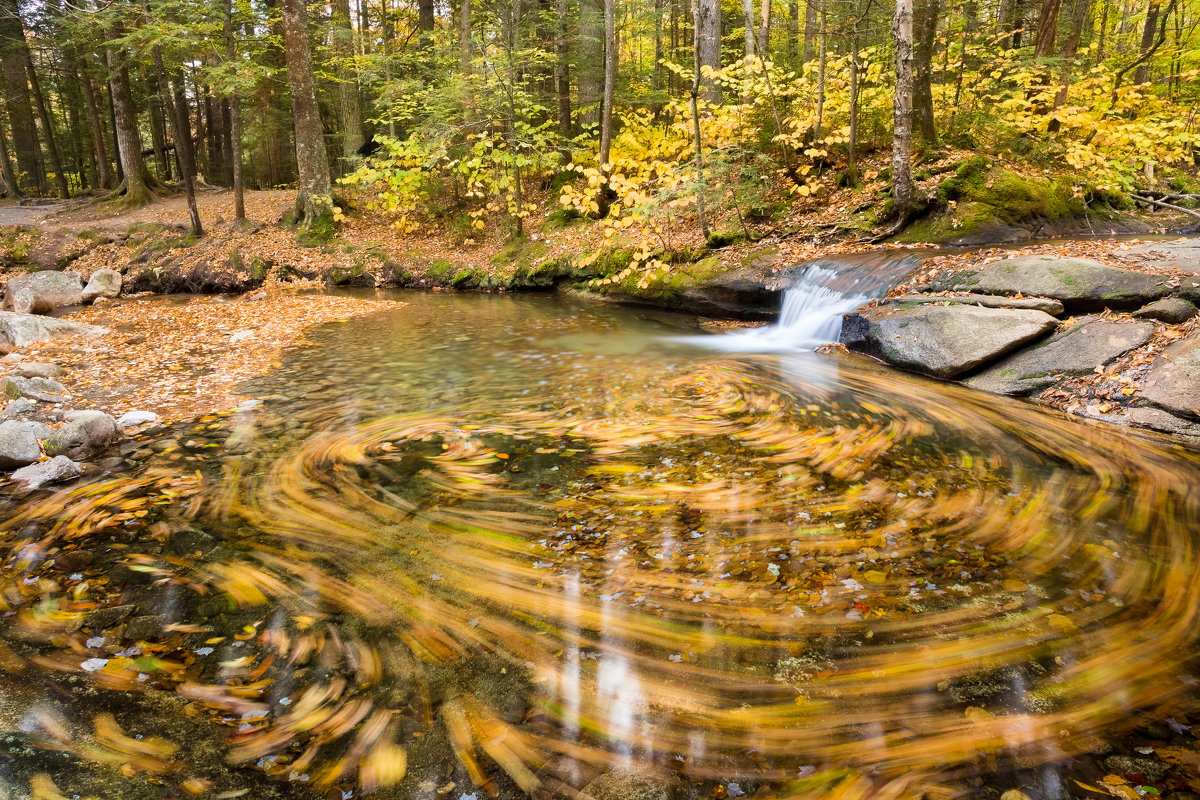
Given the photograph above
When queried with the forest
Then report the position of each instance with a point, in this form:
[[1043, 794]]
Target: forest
[[642, 113]]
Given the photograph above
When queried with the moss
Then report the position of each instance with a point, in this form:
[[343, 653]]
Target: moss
[[463, 278], [561, 218], [258, 268], [520, 254], [440, 270], [719, 239], [666, 287]]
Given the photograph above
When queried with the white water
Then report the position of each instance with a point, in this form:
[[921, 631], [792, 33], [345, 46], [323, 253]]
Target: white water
[[811, 316]]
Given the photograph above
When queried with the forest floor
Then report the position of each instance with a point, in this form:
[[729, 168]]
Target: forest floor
[[183, 357]]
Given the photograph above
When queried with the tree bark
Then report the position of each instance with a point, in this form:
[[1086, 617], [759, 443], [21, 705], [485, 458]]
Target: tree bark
[[182, 134], [1142, 73], [708, 46], [902, 37], [235, 120], [925, 33], [701, 187], [349, 105], [764, 30], [464, 34], [137, 180], [606, 105], [425, 22], [590, 70], [11, 189], [60, 175], [314, 197], [1047, 28], [562, 76], [16, 93]]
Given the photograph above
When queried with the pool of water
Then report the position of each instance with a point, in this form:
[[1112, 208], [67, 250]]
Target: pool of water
[[518, 546]]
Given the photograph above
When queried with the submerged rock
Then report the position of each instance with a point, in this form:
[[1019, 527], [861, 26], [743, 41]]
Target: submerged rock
[[942, 341], [1079, 283], [633, 784], [1171, 310], [1173, 381], [19, 442], [1049, 305], [103, 283], [57, 470], [21, 330], [87, 434], [44, 291], [1164, 422], [1077, 350]]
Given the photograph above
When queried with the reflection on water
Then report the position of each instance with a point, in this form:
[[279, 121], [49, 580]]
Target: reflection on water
[[503, 546]]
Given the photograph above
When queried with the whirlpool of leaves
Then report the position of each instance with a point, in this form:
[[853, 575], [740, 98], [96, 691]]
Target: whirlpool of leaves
[[727, 575]]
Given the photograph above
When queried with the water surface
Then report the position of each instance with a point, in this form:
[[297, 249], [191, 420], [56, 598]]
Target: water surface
[[493, 545]]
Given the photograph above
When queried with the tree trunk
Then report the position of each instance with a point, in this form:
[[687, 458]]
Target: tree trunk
[[925, 33], [137, 180], [314, 200], [16, 93], [1047, 28], [1080, 11], [425, 22], [852, 144], [464, 34], [1142, 74], [11, 189], [701, 188], [181, 132], [349, 106], [104, 175], [606, 106], [822, 59], [235, 122], [748, 32], [562, 76], [590, 70], [60, 175], [902, 36], [764, 30], [708, 46]]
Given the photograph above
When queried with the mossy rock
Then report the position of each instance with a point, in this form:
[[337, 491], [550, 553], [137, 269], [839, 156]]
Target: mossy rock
[[718, 239]]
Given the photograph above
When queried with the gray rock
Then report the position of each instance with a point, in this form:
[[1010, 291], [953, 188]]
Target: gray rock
[[103, 283], [1171, 310], [107, 617], [1077, 350], [1159, 420], [1130, 767], [57, 470], [21, 330], [38, 369], [146, 627], [1081, 284], [101, 300], [633, 784], [88, 434], [18, 407], [44, 291], [47, 390], [1173, 381], [132, 419], [1050, 306], [19, 442], [942, 341], [24, 301]]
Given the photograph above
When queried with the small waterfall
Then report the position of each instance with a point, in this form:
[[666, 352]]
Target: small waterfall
[[820, 294]]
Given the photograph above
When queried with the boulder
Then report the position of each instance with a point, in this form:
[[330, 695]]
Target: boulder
[[103, 283], [19, 442], [1050, 306], [57, 470], [1159, 420], [1171, 310], [132, 419], [1173, 381], [37, 369], [1081, 284], [17, 408], [1076, 350], [942, 341], [21, 330], [44, 291], [47, 390], [87, 434]]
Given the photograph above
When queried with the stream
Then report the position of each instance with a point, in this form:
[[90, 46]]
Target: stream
[[511, 546]]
